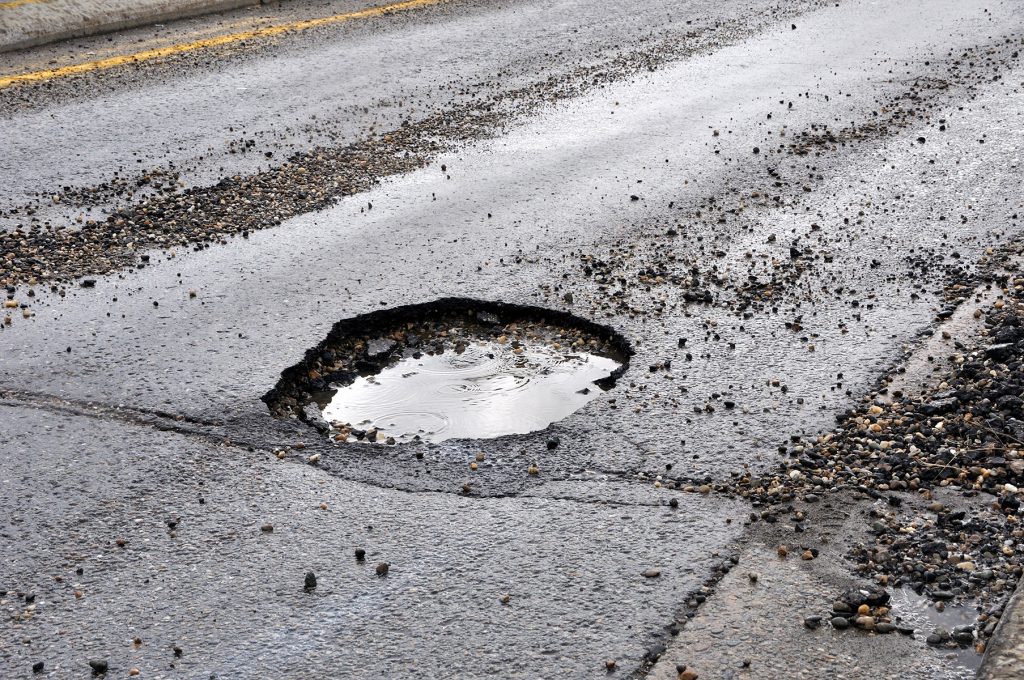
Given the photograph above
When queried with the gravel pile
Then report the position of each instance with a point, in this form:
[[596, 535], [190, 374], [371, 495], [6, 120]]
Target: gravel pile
[[963, 435]]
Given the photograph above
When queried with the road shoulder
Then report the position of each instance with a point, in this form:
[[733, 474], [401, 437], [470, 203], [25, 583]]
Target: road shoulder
[[31, 23]]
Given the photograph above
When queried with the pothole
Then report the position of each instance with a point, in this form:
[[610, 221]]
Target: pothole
[[954, 625], [452, 369]]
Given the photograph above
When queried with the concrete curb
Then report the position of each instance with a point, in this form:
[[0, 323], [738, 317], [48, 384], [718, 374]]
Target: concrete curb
[[37, 22], [1004, 656]]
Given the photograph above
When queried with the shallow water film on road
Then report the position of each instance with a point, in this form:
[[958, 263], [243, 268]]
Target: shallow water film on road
[[477, 391]]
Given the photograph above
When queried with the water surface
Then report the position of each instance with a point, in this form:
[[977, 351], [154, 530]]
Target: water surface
[[484, 390]]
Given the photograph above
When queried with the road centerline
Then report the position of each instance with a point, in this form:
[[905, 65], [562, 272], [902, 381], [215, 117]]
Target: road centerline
[[206, 43]]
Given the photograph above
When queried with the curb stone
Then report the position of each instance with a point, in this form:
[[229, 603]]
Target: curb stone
[[1004, 657]]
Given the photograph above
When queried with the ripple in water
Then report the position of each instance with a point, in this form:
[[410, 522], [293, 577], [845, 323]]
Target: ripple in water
[[487, 390]]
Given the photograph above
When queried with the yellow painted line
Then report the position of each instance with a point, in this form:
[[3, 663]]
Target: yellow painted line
[[160, 52], [104, 50], [11, 4]]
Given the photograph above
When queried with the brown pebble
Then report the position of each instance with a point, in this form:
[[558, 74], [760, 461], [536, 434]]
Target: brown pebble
[[610, 664], [865, 622], [267, 528], [382, 569]]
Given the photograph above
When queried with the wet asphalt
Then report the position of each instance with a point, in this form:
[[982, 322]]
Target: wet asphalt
[[132, 408]]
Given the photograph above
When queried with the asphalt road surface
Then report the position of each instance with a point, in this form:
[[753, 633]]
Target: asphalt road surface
[[799, 190]]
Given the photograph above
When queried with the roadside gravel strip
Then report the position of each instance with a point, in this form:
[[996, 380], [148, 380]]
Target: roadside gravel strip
[[963, 433]]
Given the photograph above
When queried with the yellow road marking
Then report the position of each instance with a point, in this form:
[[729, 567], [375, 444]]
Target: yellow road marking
[[105, 50], [157, 53], [11, 4]]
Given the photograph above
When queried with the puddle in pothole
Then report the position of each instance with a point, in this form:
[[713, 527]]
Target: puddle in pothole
[[451, 369], [470, 392], [919, 612]]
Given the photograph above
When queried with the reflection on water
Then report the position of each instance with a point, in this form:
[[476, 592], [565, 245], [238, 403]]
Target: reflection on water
[[477, 391], [919, 612]]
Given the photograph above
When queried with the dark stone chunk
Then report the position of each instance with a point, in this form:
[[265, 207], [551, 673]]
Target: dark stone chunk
[[379, 347], [312, 415], [873, 596], [938, 406], [1010, 402], [1000, 351], [1008, 334]]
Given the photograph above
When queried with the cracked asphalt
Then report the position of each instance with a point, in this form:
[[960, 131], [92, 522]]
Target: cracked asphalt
[[776, 204]]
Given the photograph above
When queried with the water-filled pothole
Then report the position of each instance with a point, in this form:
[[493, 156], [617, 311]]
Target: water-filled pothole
[[954, 624], [451, 369]]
